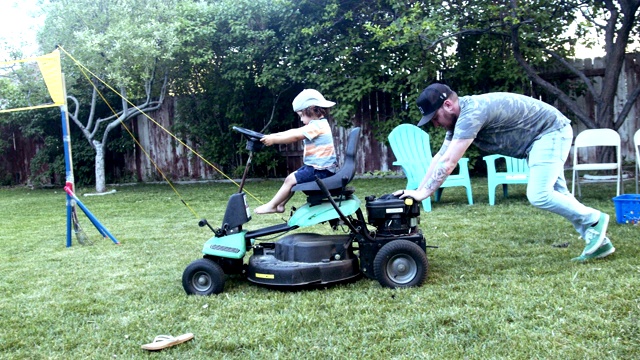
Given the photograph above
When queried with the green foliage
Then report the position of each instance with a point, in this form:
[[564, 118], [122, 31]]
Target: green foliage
[[83, 163], [246, 57], [120, 41], [47, 166], [22, 85], [471, 42], [232, 75], [356, 65]]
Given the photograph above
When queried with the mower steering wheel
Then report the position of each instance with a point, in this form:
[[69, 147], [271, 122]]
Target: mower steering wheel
[[249, 134]]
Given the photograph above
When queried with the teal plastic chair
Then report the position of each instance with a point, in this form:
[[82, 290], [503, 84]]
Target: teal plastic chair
[[412, 149], [517, 172]]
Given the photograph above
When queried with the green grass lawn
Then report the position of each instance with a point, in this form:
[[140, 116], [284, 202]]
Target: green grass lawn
[[497, 288]]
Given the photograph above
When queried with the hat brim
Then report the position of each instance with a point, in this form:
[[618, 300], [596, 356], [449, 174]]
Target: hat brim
[[425, 119], [326, 104], [322, 104]]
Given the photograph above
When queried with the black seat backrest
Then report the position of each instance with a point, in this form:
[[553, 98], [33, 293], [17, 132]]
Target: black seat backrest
[[335, 182]]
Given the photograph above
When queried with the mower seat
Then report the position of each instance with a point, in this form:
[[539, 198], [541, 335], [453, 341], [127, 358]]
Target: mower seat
[[337, 183]]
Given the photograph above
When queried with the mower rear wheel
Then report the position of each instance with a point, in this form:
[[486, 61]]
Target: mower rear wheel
[[203, 277], [400, 264]]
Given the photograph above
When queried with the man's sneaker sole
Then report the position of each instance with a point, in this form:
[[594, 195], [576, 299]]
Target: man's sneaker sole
[[601, 228], [603, 251]]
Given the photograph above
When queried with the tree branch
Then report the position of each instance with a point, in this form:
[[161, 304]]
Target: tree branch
[[610, 28], [486, 31], [574, 70], [273, 108], [533, 75], [76, 120], [92, 110], [633, 96], [131, 112]]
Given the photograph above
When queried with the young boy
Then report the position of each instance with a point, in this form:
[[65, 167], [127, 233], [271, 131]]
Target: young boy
[[319, 153]]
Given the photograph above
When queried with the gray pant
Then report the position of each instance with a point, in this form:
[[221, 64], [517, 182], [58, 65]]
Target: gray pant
[[547, 188]]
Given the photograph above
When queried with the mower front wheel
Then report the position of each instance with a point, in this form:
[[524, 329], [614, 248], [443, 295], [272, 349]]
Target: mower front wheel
[[400, 264], [203, 277]]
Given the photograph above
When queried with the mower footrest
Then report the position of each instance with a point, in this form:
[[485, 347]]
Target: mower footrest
[[284, 227]]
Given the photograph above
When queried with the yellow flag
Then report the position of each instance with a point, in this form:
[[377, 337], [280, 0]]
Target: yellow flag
[[52, 73]]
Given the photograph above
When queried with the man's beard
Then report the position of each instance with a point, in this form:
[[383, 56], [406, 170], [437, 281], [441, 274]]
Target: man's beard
[[454, 120]]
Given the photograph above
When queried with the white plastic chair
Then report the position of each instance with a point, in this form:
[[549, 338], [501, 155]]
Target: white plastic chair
[[596, 137], [636, 143]]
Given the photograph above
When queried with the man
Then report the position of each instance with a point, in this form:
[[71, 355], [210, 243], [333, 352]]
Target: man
[[517, 126]]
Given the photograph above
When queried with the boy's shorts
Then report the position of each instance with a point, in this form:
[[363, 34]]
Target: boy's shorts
[[308, 173]]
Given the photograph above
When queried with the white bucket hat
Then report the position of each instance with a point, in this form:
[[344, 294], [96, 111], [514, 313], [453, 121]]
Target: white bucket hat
[[310, 97]]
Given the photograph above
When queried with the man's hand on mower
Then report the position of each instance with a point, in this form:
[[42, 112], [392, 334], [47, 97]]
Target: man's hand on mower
[[417, 195]]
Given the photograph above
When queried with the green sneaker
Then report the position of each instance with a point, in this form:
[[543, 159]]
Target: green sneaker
[[594, 236], [604, 250]]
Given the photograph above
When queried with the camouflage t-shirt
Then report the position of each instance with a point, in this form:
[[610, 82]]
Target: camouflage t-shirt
[[505, 123]]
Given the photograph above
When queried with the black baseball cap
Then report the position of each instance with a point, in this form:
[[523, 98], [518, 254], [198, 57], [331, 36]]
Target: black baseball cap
[[430, 100]]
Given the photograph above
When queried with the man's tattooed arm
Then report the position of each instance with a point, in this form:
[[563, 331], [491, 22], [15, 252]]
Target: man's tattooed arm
[[443, 149], [438, 176]]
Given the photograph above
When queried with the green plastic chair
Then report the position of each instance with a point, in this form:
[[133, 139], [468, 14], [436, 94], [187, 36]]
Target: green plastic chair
[[412, 150], [517, 172]]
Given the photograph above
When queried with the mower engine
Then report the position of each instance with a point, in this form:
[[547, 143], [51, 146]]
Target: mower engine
[[393, 216]]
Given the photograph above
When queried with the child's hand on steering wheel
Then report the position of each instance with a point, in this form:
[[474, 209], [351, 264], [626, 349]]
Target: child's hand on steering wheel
[[267, 140]]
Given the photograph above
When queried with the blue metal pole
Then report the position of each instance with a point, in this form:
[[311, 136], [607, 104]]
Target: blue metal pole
[[69, 215], [68, 165], [69, 187], [95, 221]]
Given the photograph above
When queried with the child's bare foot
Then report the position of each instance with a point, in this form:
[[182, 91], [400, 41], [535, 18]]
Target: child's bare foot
[[264, 209], [267, 209]]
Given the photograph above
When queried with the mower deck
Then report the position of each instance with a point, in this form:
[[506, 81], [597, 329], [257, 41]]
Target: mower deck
[[304, 259]]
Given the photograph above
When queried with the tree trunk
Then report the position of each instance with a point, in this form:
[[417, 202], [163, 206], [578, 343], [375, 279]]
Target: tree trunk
[[100, 178]]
